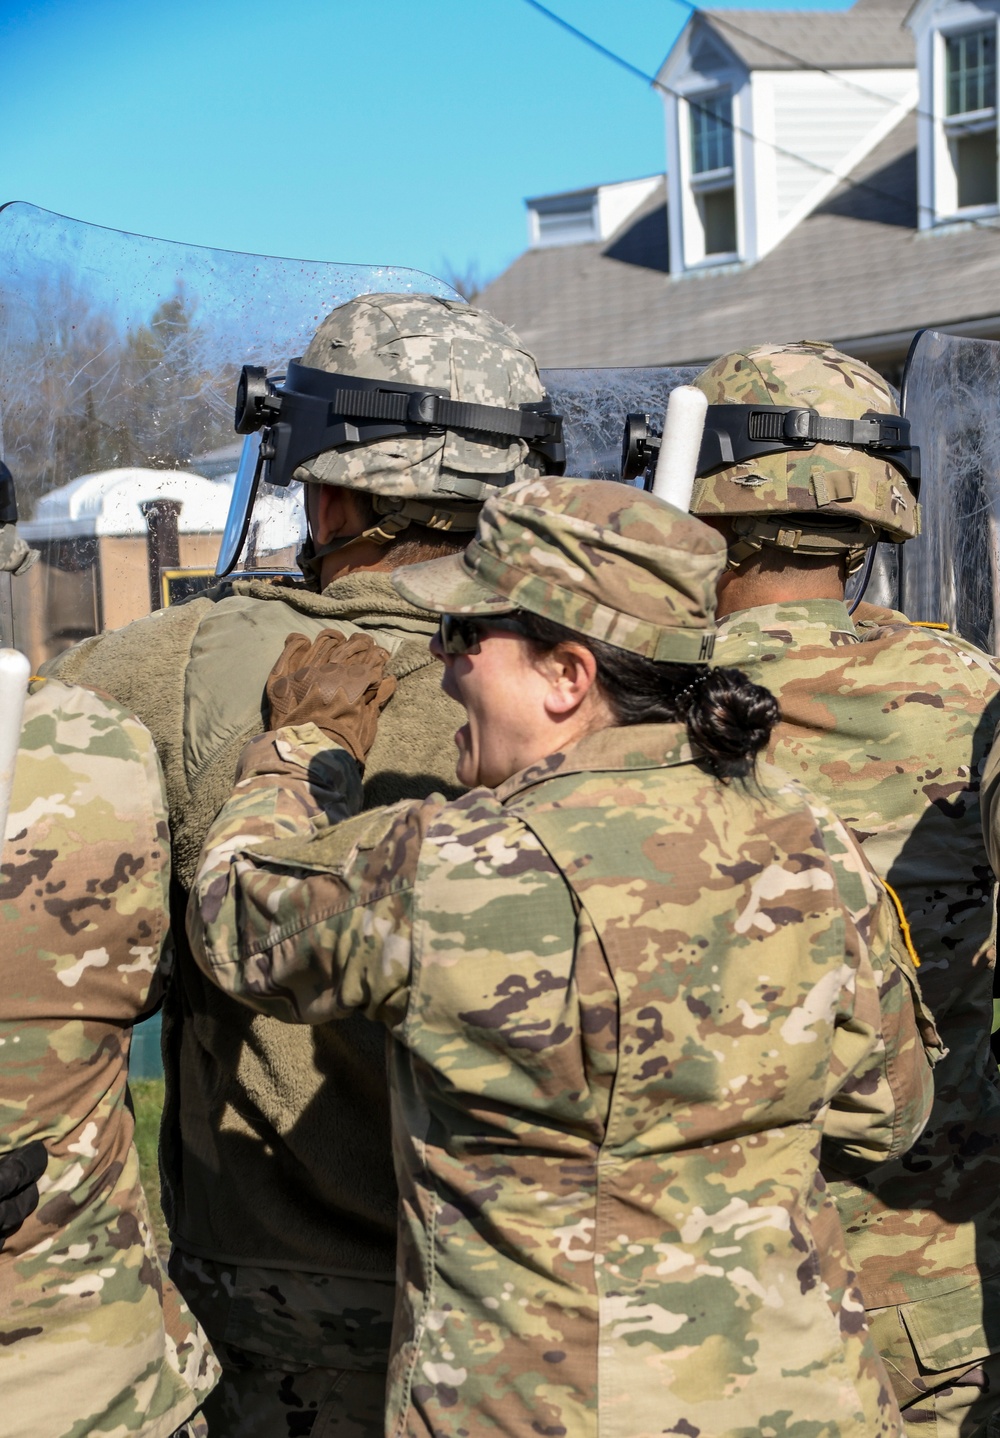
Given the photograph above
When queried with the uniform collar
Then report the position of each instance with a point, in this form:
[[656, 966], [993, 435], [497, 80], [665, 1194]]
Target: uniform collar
[[624, 747], [361, 597], [782, 622]]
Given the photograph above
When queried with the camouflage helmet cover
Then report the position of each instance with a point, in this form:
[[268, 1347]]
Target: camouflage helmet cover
[[443, 344], [855, 497], [606, 560]]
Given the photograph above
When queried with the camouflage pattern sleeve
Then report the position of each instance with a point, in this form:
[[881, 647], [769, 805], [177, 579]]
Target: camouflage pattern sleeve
[[892, 1095], [95, 1338], [884, 1101], [287, 782], [300, 919], [88, 799]]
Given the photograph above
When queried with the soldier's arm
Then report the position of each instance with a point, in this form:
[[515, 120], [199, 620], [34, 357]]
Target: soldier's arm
[[87, 885], [885, 1096], [882, 1107], [296, 914]]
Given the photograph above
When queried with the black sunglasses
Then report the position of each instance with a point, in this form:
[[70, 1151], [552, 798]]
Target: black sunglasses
[[461, 633]]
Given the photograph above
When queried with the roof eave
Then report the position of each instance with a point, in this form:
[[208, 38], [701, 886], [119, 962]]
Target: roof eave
[[703, 19]]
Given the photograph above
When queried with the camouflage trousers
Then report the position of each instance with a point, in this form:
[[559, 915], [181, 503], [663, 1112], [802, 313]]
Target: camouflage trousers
[[960, 1402], [263, 1391]]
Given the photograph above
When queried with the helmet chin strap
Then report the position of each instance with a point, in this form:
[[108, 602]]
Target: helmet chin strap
[[865, 579], [310, 557], [752, 533]]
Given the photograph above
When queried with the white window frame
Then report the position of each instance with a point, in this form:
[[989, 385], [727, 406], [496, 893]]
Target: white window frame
[[947, 128], [692, 185]]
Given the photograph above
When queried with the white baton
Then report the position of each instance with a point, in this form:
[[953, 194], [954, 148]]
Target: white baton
[[677, 462]]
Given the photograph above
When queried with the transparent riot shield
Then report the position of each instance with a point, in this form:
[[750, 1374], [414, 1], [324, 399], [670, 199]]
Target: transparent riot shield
[[119, 357], [595, 403], [950, 573]]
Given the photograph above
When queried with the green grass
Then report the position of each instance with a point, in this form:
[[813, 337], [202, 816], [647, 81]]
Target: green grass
[[147, 1097]]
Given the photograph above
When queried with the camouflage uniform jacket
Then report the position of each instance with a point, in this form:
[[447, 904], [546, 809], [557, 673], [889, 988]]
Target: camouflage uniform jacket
[[622, 997], [94, 1338], [890, 723], [275, 1148]]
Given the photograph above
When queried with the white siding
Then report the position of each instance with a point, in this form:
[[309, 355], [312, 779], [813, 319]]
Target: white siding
[[616, 202], [825, 119], [799, 133]]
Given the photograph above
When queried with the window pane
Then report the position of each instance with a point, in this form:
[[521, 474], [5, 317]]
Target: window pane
[[718, 215], [976, 169], [711, 132], [971, 71]]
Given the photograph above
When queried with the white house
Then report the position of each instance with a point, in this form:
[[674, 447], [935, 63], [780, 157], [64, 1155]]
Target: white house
[[829, 174]]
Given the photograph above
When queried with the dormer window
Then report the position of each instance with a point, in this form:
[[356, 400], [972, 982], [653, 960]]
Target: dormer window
[[970, 115], [564, 219], [710, 119], [584, 217], [957, 115]]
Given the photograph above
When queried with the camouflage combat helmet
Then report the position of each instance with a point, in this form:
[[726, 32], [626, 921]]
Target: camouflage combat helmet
[[606, 560], [436, 476], [813, 497]]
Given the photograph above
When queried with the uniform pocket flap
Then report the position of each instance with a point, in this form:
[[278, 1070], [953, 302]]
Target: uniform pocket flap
[[961, 1326]]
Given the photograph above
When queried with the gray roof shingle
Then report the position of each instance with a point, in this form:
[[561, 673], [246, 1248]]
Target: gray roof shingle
[[856, 267], [875, 38]]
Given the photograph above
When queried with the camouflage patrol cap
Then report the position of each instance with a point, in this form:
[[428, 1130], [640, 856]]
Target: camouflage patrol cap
[[606, 560], [832, 499], [445, 345]]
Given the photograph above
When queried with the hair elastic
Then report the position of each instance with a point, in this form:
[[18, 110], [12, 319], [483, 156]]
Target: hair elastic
[[691, 688]]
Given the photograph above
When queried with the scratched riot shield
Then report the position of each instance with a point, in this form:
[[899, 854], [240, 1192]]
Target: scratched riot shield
[[595, 404], [950, 573], [119, 357]]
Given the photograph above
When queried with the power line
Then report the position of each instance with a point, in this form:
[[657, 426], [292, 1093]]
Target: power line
[[728, 122], [594, 44], [716, 17]]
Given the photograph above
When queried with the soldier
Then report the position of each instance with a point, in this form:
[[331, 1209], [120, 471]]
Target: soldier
[[623, 988], [20, 1169], [890, 722], [95, 1338], [276, 1152]]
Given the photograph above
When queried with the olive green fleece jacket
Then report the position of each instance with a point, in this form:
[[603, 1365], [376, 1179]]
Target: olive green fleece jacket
[[276, 1140]]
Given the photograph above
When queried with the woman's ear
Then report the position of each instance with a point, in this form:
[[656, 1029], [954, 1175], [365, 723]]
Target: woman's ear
[[571, 670]]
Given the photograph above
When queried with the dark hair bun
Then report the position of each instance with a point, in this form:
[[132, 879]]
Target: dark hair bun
[[730, 720]]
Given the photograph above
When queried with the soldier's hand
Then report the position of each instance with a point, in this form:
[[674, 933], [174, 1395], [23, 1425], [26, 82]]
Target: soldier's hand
[[338, 684], [20, 1170]]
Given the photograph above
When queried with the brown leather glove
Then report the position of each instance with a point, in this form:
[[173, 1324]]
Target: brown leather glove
[[335, 683]]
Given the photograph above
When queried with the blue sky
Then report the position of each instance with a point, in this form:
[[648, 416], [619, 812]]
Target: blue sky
[[405, 132]]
